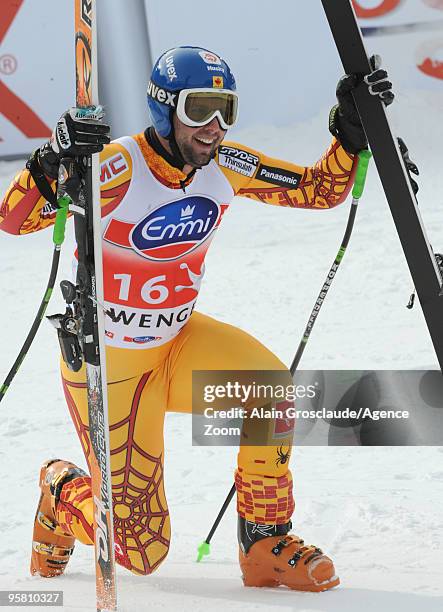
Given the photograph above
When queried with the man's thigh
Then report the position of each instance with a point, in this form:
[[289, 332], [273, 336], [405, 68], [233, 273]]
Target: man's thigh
[[208, 344]]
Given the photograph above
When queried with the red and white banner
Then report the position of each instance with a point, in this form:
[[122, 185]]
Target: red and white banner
[[286, 64], [409, 35], [285, 60], [37, 74], [36, 71]]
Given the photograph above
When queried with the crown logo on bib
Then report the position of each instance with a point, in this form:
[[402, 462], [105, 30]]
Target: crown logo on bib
[[186, 213]]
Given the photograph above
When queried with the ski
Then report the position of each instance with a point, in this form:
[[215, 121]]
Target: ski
[[87, 220], [401, 199]]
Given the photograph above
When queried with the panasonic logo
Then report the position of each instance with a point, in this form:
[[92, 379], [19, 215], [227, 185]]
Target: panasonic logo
[[275, 176], [161, 95], [278, 176]]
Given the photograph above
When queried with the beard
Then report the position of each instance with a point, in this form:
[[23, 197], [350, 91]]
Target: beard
[[194, 158]]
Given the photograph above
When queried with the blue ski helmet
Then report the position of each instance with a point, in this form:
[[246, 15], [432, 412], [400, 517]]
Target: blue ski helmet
[[183, 68]]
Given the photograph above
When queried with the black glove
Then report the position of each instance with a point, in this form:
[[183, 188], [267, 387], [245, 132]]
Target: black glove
[[79, 131], [344, 120]]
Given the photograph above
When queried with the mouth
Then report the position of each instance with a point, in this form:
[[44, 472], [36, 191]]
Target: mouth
[[205, 142]]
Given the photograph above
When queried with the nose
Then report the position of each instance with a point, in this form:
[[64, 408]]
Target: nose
[[214, 125]]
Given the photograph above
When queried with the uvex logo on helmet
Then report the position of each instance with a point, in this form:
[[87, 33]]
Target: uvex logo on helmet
[[161, 95]]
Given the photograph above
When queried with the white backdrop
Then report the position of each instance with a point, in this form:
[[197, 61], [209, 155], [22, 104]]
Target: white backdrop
[[282, 55]]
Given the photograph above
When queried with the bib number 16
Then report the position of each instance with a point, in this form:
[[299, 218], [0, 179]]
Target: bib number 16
[[152, 291]]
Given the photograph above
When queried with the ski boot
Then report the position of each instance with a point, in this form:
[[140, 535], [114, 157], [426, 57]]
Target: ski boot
[[51, 546], [269, 557]]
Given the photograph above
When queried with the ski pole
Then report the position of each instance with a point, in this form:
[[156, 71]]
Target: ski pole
[[359, 184], [204, 548], [58, 238]]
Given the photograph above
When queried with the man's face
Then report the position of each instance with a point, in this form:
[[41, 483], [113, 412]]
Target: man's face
[[198, 145]]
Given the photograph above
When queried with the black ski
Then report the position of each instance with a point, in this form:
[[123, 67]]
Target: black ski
[[419, 255]]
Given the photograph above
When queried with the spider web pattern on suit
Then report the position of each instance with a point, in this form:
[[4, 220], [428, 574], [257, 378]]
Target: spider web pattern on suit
[[140, 511]]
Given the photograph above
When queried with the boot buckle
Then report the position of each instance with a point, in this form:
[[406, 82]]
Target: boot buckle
[[51, 549], [294, 559], [279, 547]]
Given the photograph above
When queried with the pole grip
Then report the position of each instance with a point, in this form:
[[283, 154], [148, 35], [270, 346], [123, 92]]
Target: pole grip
[[360, 176], [58, 235]]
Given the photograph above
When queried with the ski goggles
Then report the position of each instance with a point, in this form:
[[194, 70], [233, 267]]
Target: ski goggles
[[198, 107]]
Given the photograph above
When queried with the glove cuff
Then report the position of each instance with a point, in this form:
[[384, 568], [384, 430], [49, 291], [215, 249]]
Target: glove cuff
[[350, 135], [40, 178], [333, 121], [48, 160]]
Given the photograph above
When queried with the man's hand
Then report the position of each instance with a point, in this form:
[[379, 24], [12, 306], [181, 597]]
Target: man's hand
[[378, 82], [70, 181], [344, 120], [79, 131]]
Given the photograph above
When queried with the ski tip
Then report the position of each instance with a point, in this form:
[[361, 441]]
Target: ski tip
[[203, 550]]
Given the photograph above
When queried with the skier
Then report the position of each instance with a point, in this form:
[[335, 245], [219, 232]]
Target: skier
[[163, 194]]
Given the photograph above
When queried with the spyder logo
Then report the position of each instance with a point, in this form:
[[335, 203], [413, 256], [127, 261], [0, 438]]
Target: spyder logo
[[282, 457]]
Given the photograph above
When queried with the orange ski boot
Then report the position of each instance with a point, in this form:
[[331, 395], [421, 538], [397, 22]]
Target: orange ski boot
[[51, 546], [269, 557]]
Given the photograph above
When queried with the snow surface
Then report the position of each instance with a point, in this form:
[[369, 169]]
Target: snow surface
[[376, 511]]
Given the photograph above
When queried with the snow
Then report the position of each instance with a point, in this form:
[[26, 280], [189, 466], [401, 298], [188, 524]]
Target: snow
[[376, 511]]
